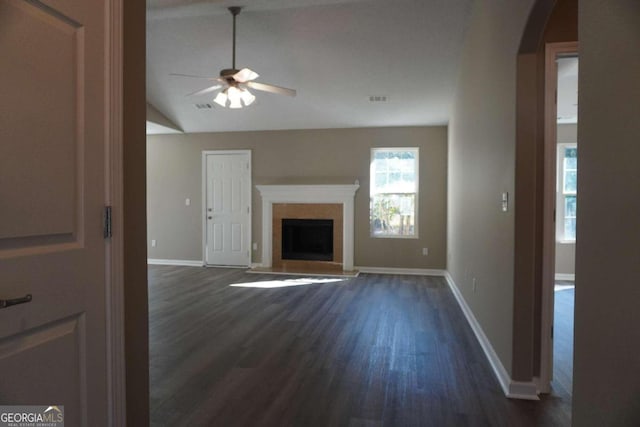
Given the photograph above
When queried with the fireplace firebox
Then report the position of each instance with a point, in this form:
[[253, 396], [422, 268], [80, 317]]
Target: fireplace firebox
[[307, 239]]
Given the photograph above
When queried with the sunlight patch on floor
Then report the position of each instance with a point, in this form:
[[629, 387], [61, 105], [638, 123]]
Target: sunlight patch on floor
[[284, 283]]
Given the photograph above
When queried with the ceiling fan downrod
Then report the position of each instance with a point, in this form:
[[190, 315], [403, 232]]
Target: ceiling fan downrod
[[235, 10]]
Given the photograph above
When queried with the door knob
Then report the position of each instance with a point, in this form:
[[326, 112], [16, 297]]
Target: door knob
[[4, 303], [209, 217]]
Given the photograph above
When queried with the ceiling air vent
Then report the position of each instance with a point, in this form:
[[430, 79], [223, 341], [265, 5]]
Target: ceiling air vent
[[204, 106], [378, 98]]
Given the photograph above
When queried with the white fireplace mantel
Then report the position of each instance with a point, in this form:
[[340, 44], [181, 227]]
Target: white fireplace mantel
[[338, 194]]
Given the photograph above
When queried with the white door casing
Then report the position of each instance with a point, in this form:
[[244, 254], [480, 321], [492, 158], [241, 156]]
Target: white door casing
[[57, 122], [552, 52], [227, 203]]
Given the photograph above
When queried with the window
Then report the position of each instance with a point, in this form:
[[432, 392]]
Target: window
[[567, 187], [394, 192]]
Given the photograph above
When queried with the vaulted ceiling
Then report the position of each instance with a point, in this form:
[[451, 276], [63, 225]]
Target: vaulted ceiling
[[338, 54]]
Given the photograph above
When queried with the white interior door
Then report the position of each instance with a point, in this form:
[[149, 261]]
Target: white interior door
[[52, 195], [228, 208]]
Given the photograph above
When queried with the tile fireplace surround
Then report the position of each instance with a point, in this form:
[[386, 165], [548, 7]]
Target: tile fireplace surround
[[321, 195]]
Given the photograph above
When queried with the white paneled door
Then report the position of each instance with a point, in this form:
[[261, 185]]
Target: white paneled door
[[54, 122], [228, 208]]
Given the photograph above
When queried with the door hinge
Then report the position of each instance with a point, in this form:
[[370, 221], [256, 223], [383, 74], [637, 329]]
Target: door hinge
[[107, 222], [552, 332]]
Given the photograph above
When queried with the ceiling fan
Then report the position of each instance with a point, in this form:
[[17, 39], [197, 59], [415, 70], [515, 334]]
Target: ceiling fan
[[235, 83]]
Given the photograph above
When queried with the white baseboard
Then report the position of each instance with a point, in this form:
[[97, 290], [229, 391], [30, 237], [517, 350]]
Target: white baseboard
[[410, 271], [512, 389], [183, 262], [565, 276]]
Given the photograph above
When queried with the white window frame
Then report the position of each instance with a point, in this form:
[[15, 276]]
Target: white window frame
[[561, 194], [416, 150]]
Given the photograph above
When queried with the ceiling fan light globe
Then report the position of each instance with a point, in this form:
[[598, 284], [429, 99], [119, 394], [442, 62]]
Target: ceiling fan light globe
[[247, 97], [235, 95], [221, 99]]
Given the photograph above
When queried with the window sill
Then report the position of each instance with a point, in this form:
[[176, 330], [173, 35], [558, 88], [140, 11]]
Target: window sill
[[378, 236]]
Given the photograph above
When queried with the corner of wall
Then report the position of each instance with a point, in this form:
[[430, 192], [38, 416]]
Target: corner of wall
[[526, 390]]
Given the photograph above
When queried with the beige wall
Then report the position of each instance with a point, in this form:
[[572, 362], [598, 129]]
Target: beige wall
[[567, 133], [607, 321], [565, 258], [566, 252], [297, 156], [550, 21], [481, 167]]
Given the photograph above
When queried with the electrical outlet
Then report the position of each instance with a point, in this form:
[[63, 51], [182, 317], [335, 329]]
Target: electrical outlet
[[474, 284], [255, 246], [425, 251], [153, 243]]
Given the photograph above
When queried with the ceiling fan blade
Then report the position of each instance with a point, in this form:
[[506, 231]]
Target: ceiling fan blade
[[271, 88], [205, 90], [245, 75], [194, 77]]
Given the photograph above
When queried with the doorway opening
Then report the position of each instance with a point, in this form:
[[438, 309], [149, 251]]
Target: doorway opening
[[560, 212]]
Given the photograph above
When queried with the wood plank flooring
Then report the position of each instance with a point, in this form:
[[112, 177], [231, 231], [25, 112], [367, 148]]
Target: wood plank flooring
[[563, 339], [375, 350]]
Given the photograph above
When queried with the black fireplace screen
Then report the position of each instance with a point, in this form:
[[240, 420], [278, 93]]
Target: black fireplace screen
[[307, 239]]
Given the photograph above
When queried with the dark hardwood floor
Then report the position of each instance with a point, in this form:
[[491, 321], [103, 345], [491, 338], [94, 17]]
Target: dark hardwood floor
[[563, 308], [375, 350]]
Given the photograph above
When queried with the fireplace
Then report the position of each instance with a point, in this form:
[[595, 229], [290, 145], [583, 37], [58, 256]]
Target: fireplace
[[307, 239], [310, 222], [308, 202]]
